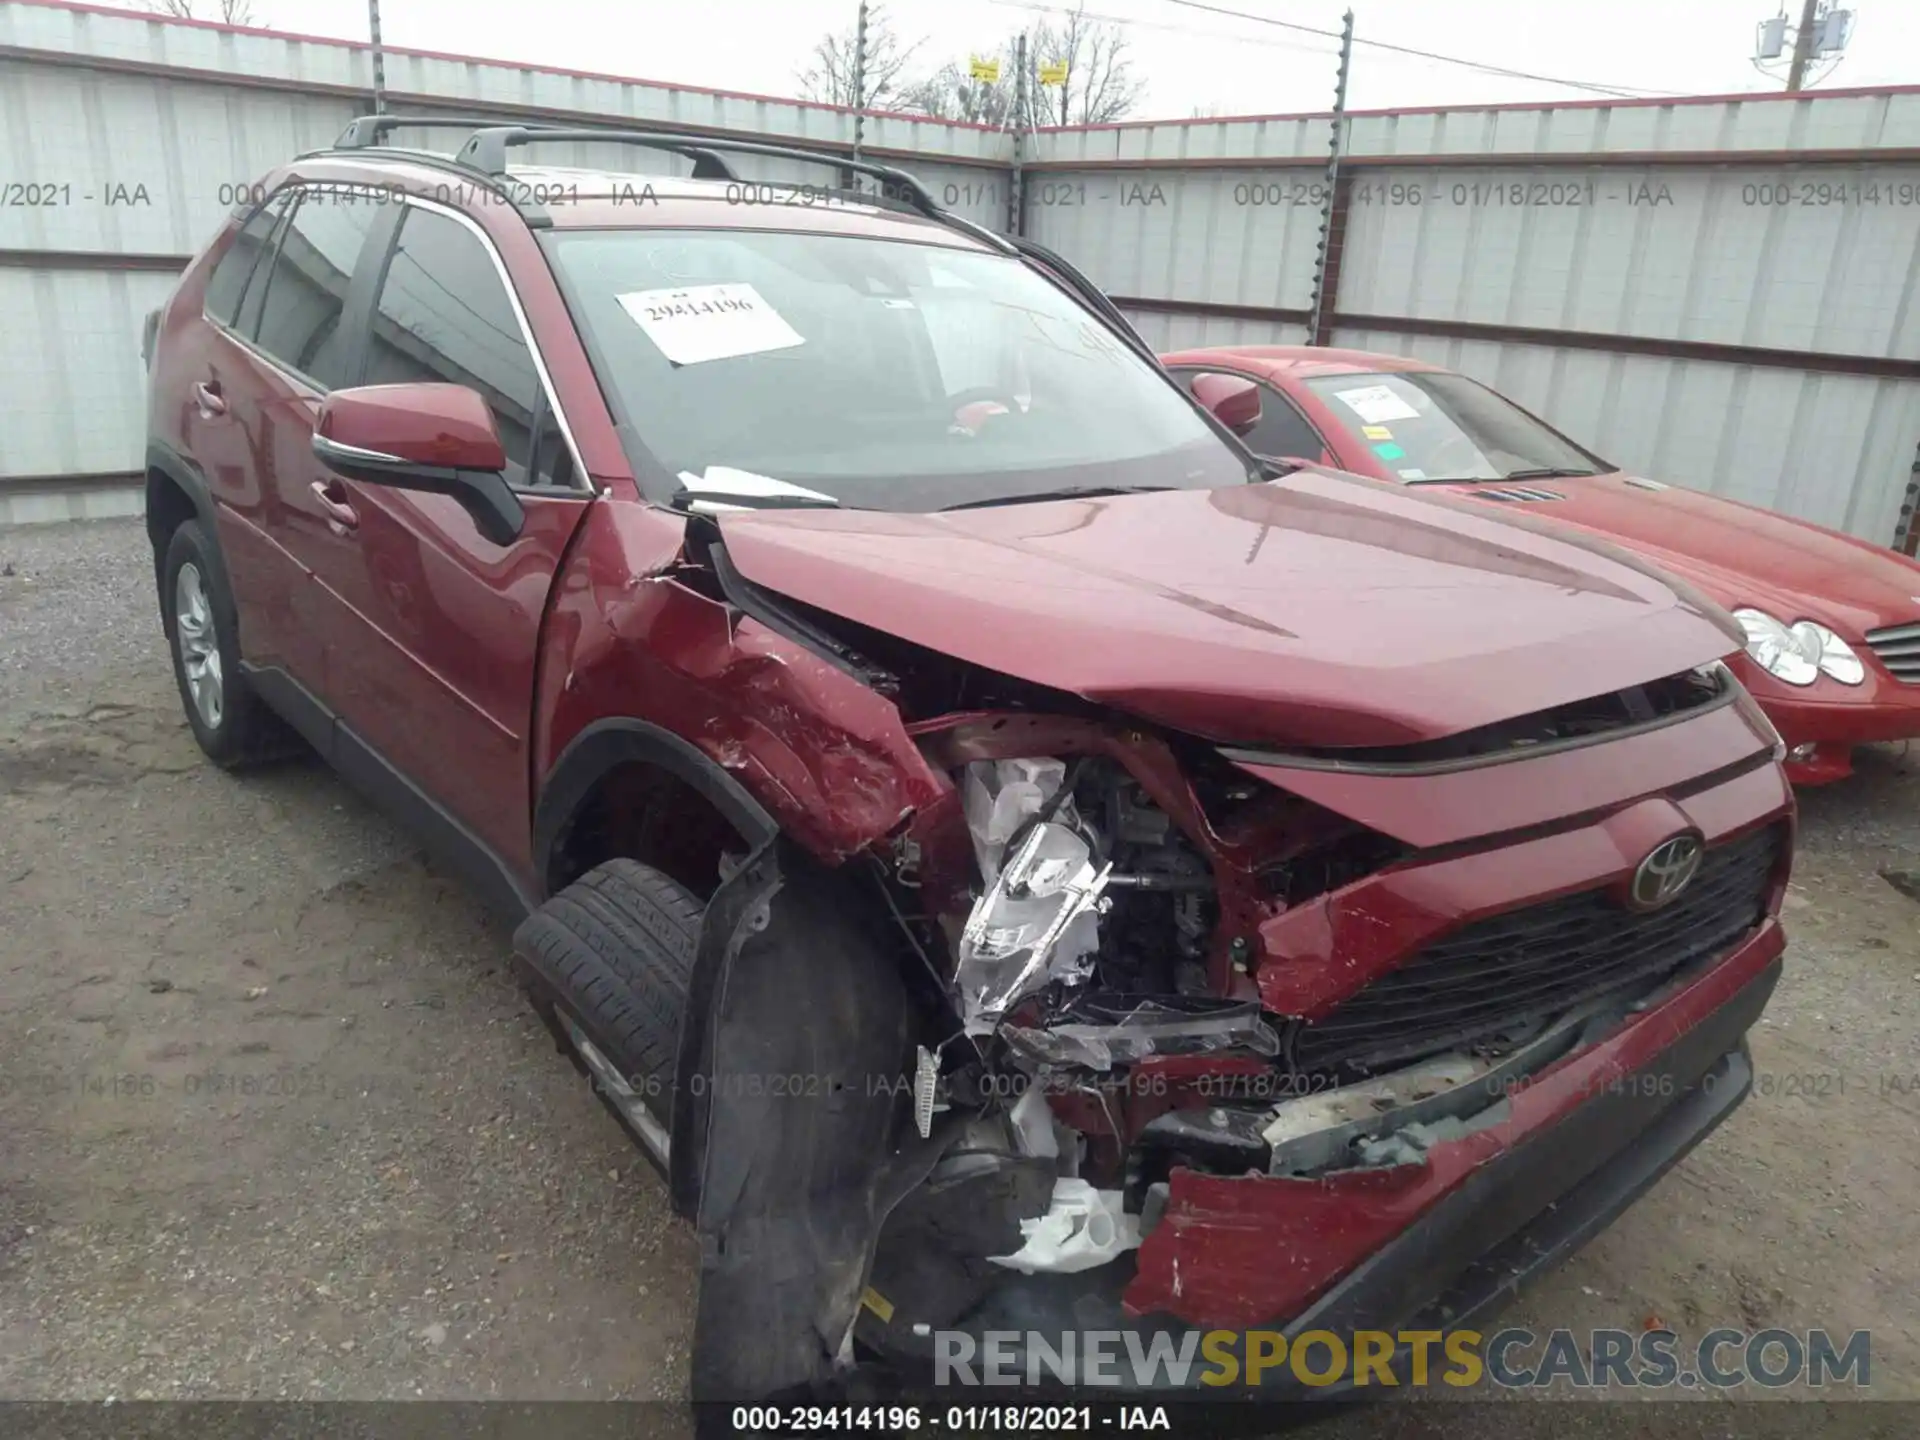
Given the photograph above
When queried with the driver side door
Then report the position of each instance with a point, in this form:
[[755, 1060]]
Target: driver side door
[[438, 626]]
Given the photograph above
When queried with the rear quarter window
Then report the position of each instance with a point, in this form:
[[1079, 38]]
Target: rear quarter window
[[306, 295], [230, 275]]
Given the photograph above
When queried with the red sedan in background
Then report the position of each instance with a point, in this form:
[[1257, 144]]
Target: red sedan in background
[[1832, 623]]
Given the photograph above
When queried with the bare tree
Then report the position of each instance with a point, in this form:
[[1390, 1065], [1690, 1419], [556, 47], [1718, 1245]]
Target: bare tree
[[951, 93], [230, 12], [1100, 87], [830, 75]]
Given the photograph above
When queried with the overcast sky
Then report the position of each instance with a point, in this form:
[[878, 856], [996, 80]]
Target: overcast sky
[[1190, 58]]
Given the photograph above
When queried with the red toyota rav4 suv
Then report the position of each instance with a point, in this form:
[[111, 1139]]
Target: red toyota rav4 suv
[[1013, 861]]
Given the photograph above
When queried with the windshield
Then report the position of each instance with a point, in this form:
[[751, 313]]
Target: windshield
[[873, 373], [1431, 425]]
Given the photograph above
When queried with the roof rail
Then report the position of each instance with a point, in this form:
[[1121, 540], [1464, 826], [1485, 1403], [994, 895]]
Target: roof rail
[[364, 131], [489, 141], [486, 151]]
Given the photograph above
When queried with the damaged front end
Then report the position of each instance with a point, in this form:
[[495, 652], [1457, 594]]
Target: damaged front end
[[1122, 1030]]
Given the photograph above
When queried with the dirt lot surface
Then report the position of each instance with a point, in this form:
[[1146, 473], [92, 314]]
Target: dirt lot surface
[[274, 1121]]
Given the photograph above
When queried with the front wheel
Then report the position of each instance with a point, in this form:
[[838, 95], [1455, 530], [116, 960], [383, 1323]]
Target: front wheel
[[606, 963], [231, 724]]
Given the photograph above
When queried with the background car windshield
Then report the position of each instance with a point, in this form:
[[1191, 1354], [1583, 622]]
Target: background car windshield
[[885, 374], [1430, 425]]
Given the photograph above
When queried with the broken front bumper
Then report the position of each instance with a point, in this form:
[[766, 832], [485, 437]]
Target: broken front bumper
[[1401, 1246]]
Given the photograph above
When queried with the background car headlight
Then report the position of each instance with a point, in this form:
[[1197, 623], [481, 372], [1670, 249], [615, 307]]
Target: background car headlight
[[1836, 656], [1799, 653]]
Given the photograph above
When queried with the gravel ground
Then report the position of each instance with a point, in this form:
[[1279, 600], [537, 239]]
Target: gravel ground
[[277, 1124]]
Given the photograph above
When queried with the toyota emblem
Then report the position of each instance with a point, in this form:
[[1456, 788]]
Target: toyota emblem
[[1665, 872]]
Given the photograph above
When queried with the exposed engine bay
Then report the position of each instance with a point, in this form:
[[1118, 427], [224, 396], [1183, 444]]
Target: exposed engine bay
[[1147, 1011], [1103, 1030]]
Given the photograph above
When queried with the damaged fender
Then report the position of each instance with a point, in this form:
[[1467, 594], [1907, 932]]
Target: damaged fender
[[790, 1139]]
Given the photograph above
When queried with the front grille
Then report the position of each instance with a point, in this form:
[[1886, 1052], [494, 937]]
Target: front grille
[[1531, 963], [1898, 647]]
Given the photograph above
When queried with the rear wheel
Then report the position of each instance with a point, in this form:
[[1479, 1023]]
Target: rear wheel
[[606, 963], [231, 724]]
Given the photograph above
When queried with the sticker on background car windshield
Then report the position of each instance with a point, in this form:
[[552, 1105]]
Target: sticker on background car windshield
[[697, 323], [1376, 432], [1388, 451], [1376, 404], [1411, 474]]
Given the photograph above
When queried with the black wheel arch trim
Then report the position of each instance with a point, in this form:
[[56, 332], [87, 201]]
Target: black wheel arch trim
[[185, 474], [606, 744]]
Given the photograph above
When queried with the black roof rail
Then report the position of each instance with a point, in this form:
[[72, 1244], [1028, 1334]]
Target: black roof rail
[[364, 131], [487, 150]]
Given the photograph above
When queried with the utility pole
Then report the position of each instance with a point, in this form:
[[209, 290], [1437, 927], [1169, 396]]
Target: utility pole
[[859, 81], [1802, 45], [1326, 265], [379, 59], [1016, 180]]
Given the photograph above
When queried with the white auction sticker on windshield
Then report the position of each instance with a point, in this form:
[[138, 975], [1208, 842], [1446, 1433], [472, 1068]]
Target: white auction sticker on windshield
[[709, 322], [1376, 404]]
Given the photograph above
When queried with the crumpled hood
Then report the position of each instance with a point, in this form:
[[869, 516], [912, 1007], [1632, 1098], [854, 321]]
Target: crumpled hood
[[1315, 610], [1743, 555]]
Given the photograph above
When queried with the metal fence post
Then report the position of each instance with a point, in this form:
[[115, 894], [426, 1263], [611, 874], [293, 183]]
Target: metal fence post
[[1906, 529], [860, 81], [1326, 265], [1016, 180], [379, 59]]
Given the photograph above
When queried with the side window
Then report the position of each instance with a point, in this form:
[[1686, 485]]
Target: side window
[[247, 317], [229, 279], [444, 316], [1283, 430], [306, 294]]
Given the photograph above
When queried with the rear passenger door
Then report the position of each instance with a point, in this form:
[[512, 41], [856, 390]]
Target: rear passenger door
[[431, 663], [291, 333]]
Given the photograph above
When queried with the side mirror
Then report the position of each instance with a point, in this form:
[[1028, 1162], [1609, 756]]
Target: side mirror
[[436, 438], [1234, 402]]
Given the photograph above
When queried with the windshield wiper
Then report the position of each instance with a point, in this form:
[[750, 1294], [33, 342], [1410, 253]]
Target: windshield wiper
[[1545, 472], [1072, 492]]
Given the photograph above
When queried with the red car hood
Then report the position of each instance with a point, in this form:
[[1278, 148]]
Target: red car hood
[[1742, 555], [1317, 610]]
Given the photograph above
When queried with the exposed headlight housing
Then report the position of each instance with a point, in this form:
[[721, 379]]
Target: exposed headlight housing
[[1800, 653]]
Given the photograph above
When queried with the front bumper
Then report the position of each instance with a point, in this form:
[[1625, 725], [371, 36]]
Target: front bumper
[[1832, 718], [1474, 1221]]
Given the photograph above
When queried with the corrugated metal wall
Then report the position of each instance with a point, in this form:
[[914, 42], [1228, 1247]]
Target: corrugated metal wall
[[1719, 293], [127, 139], [1724, 294]]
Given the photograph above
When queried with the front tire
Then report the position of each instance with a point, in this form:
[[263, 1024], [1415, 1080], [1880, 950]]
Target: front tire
[[231, 724], [607, 963]]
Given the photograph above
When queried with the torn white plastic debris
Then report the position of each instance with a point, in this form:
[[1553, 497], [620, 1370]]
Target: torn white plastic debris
[[725, 480], [1001, 796], [1082, 1228], [697, 323]]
